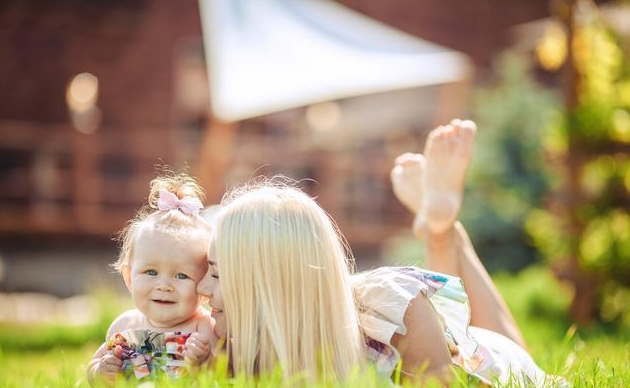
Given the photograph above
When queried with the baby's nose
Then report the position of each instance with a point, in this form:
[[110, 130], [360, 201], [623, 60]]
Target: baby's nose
[[164, 287]]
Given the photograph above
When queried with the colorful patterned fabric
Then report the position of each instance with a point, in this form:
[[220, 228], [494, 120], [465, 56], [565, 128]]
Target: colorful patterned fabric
[[147, 353]]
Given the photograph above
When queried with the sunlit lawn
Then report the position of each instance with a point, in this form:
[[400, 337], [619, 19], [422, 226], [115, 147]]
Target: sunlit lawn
[[599, 357], [56, 367]]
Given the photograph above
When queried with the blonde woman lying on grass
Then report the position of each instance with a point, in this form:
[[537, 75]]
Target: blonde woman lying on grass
[[282, 292]]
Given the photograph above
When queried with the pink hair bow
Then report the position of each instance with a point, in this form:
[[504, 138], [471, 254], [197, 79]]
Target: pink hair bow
[[186, 205]]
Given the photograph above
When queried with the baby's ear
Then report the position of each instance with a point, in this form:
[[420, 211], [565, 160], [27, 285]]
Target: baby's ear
[[125, 270]]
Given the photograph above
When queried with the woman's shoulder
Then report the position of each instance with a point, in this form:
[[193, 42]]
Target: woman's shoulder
[[382, 296]]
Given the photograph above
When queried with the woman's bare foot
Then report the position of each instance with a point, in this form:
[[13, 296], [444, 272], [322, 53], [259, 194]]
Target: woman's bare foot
[[448, 151], [407, 178]]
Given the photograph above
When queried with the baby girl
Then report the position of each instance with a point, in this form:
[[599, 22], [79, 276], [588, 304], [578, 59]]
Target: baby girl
[[163, 256]]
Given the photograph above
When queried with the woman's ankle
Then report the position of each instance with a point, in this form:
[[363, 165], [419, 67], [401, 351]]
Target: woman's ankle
[[442, 250]]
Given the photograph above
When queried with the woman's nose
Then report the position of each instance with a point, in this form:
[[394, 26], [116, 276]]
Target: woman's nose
[[204, 287]]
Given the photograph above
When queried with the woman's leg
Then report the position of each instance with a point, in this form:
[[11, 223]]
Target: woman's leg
[[448, 248], [488, 308]]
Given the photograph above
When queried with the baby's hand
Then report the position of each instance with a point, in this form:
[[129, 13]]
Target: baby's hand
[[110, 366], [198, 349]]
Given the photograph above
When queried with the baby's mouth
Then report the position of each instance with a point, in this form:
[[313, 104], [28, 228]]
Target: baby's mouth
[[160, 301]]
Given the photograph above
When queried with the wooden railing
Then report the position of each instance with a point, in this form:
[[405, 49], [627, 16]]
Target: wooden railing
[[54, 180], [58, 181]]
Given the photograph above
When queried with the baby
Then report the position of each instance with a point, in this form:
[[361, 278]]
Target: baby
[[163, 256]]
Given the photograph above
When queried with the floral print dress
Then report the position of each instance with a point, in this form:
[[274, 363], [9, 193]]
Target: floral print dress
[[383, 296]]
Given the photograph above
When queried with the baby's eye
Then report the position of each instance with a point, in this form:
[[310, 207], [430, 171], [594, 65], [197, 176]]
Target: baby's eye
[[151, 272], [181, 276], [215, 276]]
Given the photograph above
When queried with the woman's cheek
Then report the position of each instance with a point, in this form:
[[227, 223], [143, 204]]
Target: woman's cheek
[[220, 327]]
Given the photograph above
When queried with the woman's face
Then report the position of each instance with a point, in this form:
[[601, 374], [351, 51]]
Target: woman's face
[[209, 287]]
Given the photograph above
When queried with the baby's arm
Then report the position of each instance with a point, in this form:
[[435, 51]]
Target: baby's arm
[[199, 345], [107, 365]]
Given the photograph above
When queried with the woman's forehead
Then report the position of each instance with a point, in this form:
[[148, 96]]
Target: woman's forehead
[[212, 249], [210, 213]]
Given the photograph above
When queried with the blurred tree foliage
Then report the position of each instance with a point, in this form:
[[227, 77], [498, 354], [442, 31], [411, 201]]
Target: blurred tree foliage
[[584, 226], [506, 179]]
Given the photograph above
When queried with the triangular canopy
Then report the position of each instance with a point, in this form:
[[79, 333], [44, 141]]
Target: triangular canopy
[[270, 55]]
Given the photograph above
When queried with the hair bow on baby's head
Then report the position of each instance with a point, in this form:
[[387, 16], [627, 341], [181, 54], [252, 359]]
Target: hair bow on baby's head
[[187, 205]]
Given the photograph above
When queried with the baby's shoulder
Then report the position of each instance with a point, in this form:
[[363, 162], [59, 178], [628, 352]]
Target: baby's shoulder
[[131, 319]]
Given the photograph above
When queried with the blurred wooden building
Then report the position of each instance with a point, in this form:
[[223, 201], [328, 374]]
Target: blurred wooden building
[[94, 93], [66, 170]]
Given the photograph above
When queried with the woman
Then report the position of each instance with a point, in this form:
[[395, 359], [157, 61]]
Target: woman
[[286, 296]]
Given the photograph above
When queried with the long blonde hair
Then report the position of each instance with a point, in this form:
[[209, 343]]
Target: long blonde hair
[[285, 279]]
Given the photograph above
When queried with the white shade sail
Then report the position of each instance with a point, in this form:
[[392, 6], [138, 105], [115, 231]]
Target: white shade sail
[[265, 56]]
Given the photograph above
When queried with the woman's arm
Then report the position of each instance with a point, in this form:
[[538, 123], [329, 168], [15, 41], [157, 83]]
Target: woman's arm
[[423, 348]]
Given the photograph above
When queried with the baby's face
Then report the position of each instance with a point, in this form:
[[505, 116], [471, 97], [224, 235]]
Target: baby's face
[[164, 274]]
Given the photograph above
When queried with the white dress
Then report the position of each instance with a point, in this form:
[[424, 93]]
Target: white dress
[[383, 295]]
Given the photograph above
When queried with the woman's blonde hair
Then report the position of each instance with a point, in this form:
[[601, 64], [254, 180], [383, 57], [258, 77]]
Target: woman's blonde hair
[[173, 221], [284, 273]]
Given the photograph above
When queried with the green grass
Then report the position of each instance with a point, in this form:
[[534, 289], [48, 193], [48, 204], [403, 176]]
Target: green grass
[[56, 356]]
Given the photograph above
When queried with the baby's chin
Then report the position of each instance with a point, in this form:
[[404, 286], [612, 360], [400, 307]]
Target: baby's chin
[[172, 324]]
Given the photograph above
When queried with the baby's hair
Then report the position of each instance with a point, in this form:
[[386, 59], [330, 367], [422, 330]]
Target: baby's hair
[[173, 221]]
